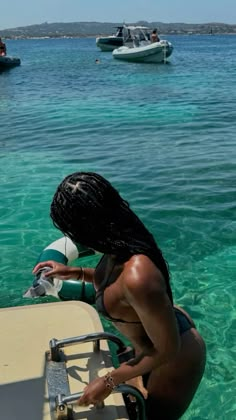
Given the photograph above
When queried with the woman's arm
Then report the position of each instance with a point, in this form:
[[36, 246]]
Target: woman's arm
[[145, 291], [65, 272]]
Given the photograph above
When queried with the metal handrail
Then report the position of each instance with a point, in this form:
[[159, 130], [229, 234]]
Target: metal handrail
[[55, 344], [62, 400], [63, 411]]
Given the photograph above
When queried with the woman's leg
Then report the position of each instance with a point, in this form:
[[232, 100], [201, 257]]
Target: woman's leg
[[172, 387]]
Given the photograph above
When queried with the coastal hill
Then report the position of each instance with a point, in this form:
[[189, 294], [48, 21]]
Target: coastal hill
[[93, 29]]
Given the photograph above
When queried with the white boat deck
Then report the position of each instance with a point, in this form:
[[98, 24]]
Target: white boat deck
[[25, 335]]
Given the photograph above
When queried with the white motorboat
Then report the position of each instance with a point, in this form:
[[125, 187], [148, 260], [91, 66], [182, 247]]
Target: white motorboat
[[142, 50], [109, 43]]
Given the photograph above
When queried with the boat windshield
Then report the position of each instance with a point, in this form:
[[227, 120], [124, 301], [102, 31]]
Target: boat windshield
[[119, 31], [136, 34]]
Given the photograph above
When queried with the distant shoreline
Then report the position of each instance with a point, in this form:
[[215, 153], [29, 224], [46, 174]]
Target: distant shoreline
[[94, 29], [95, 36]]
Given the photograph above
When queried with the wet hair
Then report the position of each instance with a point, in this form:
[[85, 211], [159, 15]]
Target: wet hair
[[90, 211]]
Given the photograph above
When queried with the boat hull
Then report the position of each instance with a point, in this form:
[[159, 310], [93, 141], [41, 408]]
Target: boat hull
[[109, 43], [157, 52], [7, 62]]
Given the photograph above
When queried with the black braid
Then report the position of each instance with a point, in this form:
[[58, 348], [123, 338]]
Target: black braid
[[89, 210]]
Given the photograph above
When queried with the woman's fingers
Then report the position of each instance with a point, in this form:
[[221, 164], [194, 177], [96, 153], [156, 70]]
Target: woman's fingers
[[56, 268], [86, 403], [82, 402], [42, 265]]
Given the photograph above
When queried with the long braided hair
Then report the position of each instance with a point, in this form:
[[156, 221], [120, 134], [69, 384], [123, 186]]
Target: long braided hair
[[90, 211]]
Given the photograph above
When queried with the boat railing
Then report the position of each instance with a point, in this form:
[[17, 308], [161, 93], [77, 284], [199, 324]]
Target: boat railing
[[55, 345], [63, 409], [60, 398]]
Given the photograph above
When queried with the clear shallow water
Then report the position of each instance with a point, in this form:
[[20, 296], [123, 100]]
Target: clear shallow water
[[165, 136]]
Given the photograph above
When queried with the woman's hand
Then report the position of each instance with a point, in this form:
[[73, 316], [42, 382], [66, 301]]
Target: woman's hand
[[94, 393], [58, 270]]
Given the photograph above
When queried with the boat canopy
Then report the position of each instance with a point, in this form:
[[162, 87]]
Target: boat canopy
[[133, 28], [136, 34]]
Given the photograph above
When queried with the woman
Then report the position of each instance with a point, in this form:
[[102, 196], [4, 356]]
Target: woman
[[133, 291]]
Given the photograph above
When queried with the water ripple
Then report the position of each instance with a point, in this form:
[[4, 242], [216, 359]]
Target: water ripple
[[165, 135]]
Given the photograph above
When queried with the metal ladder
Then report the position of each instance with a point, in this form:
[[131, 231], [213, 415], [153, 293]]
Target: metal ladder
[[60, 399]]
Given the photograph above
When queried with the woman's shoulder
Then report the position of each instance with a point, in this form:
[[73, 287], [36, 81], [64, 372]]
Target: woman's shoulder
[[141, 262], [140, 272]]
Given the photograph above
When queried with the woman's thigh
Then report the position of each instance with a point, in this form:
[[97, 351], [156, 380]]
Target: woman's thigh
[[171, 388], [162, 409]]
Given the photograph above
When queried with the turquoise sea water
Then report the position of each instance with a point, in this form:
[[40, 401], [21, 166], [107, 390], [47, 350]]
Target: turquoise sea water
[[165, 136]]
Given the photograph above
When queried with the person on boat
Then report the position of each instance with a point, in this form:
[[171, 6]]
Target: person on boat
[[154, 36], [133, 291], [3, 48]]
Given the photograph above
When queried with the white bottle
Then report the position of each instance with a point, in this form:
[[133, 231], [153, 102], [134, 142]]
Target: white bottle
[[44, 285]]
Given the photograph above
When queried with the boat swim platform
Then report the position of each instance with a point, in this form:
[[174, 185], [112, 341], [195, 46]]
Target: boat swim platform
[[30, 379]]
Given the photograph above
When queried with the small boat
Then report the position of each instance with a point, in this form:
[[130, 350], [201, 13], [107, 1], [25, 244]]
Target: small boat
[[142, 50], [7, 62], [45, 364], [109, 43]]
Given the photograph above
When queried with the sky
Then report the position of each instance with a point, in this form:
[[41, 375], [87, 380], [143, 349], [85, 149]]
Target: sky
[[16, 13]]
